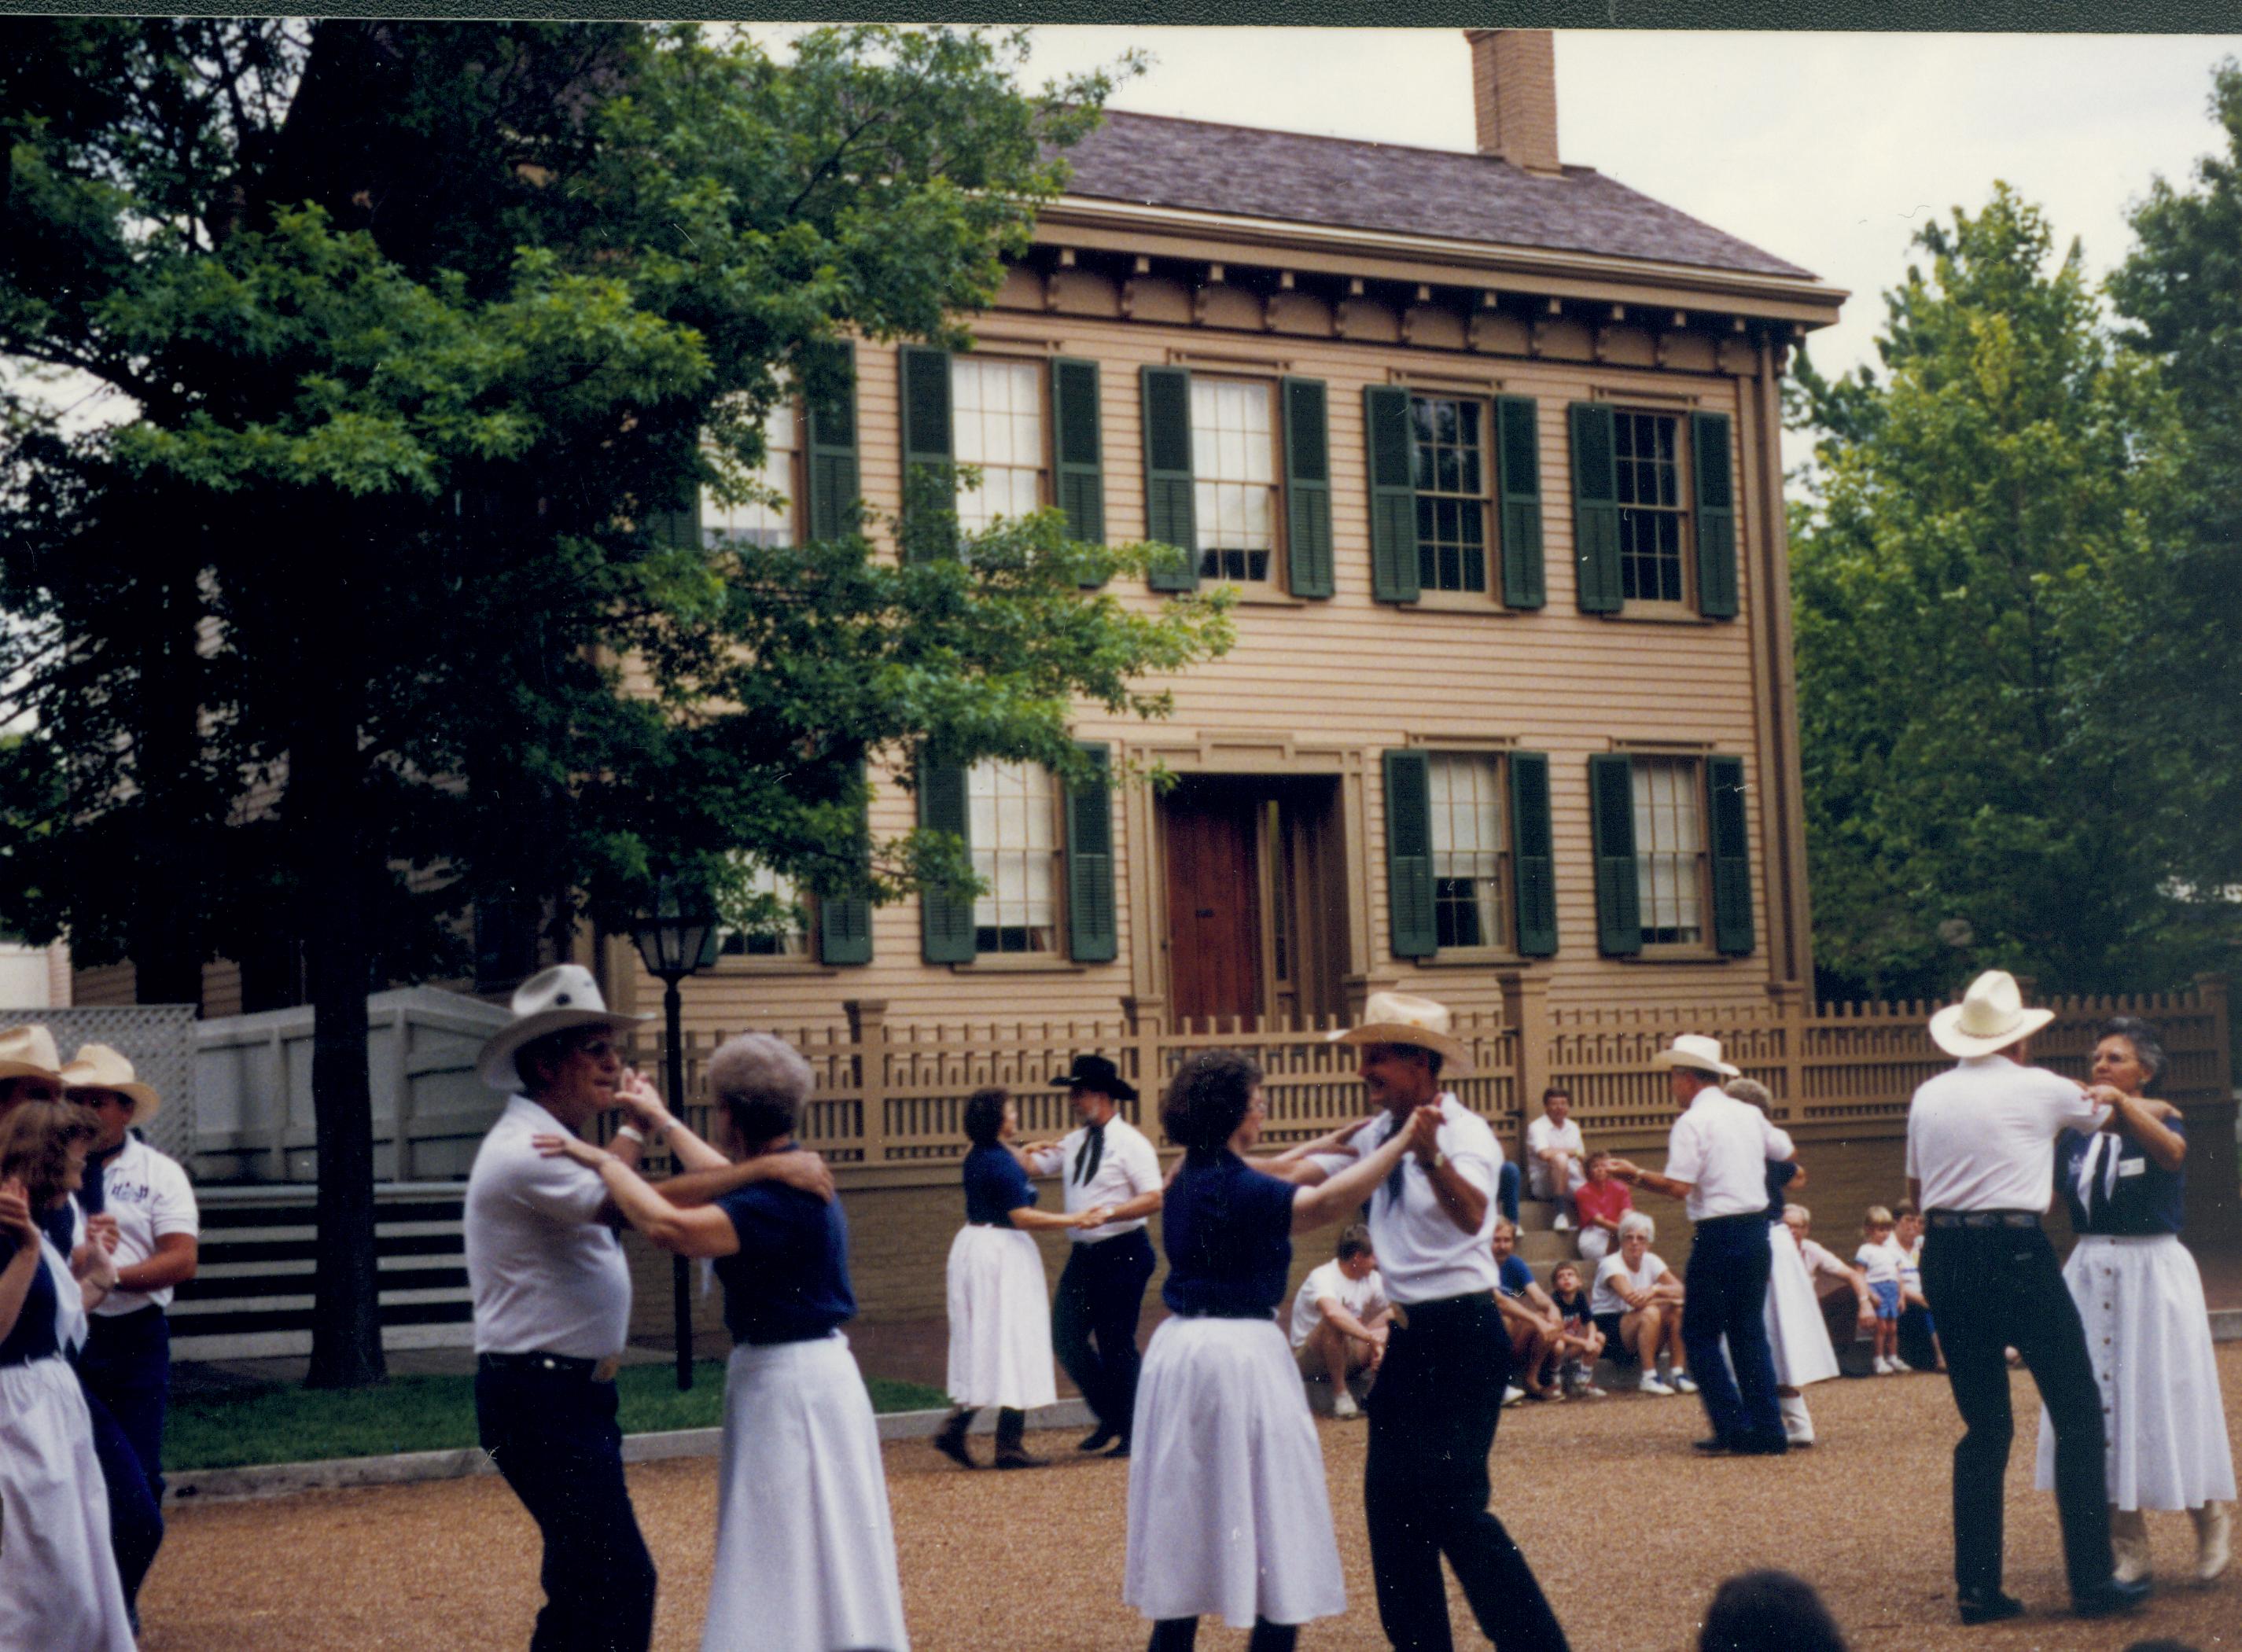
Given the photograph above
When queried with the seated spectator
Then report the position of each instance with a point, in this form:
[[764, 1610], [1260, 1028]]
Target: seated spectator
[[1553, 1155], [1600, 1200], [1637, 1305], [1769, 1612], [1527, 1315], [1918, 1335], [1579, 1343], [1842, 1288], [1340, 1318]]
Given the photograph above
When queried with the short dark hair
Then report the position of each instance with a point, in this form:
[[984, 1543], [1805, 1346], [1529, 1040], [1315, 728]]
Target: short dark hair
[[2147, 1042], [1905, 1207], [35, 1147], [1556, 1092], [984, 1115], [1353, 1241], [1769, 1612], [1209, 1098]]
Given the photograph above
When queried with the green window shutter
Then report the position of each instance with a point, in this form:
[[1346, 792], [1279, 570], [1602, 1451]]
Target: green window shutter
[[928, 455], [844, 920], [1077, 450], [945, 919], [1392, 450], [1168, 503], [679, 527], [830, 474], [1409, 854], [1619, 893], [1725, 809], [1307, 487], [1090, 934], [1716, 517], [1595, 508], [1518, 448], [1533, 854]]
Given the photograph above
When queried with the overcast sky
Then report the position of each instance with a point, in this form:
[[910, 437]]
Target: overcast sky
[[1824, 149]]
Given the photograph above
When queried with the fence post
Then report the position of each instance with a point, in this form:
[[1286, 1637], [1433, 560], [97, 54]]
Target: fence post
[[1526, 1009], [1142, 1021], [2211, 989], [1792, 1011], [868, 1030]]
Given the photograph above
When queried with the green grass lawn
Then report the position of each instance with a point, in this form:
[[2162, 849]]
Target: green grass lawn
[[281, 1423]]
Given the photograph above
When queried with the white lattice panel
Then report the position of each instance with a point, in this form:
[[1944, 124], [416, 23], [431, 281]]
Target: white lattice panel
[[158, 1039]]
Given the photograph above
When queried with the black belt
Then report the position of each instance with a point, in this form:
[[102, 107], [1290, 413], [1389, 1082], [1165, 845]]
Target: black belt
[[1425, 1315], [1983, 1219], [130, 1318], [560, 1365], [1269, 1314], [1730, 1221]]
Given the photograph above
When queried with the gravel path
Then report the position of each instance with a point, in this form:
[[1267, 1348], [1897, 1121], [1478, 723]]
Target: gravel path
[[1627, 1529]]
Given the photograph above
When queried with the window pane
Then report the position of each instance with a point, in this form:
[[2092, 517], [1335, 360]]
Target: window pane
[[1670, 848], [791, 941], [1470, 855], [1451, 494], [760, 524], [996, 419], [1014, 809], [1651, 567], [1234, 475]]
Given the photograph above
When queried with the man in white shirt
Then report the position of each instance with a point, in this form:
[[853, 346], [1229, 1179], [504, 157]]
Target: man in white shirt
[[1340, 1318], [1101, 1293], [1556, 1156], [1716, 1159], [1439, 1397], [1981, 1167]]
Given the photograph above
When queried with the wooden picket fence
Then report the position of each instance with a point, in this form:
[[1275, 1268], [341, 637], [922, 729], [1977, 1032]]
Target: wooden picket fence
[[893, 1094]]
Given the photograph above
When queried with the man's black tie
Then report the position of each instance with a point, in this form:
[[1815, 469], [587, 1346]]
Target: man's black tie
[[1086, 1158], [92, 1197]]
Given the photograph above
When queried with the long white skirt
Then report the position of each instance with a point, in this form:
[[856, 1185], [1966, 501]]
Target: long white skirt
[[805, 1543], [58, 1587], [1228, 1515], [2149, 1335], [1796, 1333], [1000, 1346]]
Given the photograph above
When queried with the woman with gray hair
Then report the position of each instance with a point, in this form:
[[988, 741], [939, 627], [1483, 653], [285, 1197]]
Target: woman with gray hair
[[805, 1543], [2141, 1297]]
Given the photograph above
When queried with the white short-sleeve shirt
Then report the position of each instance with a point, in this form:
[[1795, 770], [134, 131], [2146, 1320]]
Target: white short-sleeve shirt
[[1604, 1299], [1128, 1166], [1880, 1264], [547, 1275], [1545, 1135], [1980, 1136], [1721, 1147], [149, 1194], [1820, 1259], [1422, 1255], [1362, 1297]]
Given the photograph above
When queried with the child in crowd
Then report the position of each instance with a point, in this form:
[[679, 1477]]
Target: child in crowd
[[1879, 1260], [1579, 1342], [1917, 1336]]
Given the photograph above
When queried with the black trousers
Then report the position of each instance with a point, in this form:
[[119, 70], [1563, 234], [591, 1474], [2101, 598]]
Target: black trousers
[[1726, 1291], [135, 1510], [553, 1435], [1992, 1288], [1100, 1293], [1425, 1487]]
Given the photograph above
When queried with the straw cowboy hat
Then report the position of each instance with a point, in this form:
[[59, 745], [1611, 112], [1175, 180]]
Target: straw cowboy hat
[[1397, 1017], [1991, 1017], [1695, 1052], [96, 1066], [28, 1052], [550, 1001]]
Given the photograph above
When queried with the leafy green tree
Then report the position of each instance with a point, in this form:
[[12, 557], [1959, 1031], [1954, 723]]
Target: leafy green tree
[[1983, 517], [428, 334]]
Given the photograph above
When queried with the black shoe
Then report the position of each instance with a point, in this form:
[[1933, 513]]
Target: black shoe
[[2110, 1599], [1761, 1446], [1987, 1605], [1096, 1440], [951, 1442], [1716, 1445], [1120, 1448], [1016, 1457]]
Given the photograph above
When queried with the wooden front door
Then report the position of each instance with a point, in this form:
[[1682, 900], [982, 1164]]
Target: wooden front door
[[1214, 904]]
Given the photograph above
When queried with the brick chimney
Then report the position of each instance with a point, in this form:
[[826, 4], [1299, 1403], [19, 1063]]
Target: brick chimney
[[1515, 92]]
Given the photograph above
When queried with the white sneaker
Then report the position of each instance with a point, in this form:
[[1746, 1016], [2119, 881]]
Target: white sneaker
[[1562, 1224], [1512, 1396], [1884, 1365], [1900, 1367], [1342, 1405], [1652, 1384], [1682, 1384]]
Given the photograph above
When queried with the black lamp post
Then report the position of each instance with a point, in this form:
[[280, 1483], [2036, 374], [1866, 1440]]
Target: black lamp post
[[676, 938]]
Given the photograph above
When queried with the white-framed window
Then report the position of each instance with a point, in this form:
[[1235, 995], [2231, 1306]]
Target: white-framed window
[[774, 522], [1653, 514], [1234, 478], [1453, 481], [997, 425], [1471, 850], [791, 941], [1017, 854], [1669, 850]]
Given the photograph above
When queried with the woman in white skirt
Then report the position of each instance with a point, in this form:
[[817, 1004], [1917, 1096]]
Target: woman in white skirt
[[2139, 1294], [805, 1543], [1000, 1342], [1228, 1512], [58, 1584], [1797, 1335]]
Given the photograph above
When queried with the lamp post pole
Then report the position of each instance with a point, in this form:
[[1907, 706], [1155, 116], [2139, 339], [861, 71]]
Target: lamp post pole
[[677, 937], [673, 1047]]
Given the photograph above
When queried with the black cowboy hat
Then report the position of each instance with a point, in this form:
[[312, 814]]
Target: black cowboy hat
[[1096, 1072]]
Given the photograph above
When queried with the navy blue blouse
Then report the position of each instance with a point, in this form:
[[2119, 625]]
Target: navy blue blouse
[[33, 1337], [1228, 1231], [994, 1185], [2130, 1194], [789, 1281]]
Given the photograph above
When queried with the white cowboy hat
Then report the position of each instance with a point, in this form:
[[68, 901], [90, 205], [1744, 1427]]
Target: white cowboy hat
[[96, 1066], [1396, 1017], [28, 1052], [550, 1001], [1991, 1017], [1698, 1053]]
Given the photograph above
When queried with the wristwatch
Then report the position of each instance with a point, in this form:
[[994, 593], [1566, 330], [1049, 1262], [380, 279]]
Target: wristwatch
[[1440, 1157]]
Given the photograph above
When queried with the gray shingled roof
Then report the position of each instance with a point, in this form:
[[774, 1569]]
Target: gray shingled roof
[[1205, 167]]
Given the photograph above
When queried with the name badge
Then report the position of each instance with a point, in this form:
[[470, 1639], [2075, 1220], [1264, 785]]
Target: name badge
[[2131, 1167]]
